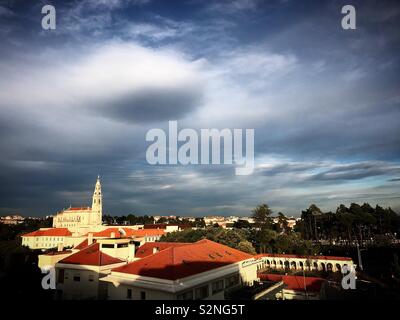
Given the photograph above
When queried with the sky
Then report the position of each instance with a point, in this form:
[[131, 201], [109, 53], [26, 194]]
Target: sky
[[77, 102]]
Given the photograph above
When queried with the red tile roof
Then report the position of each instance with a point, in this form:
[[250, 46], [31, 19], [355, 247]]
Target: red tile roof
[[296, 283], [291, 256], [147, 249], [53, 232], [83, 244], [91, 256], [178, 262], [78, 209], [128, 232], [148, 232]]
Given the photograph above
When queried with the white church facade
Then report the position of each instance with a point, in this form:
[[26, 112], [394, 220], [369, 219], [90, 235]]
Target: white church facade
[[82, 217]]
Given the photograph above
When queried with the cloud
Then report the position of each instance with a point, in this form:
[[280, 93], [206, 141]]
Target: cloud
[[78, 102]]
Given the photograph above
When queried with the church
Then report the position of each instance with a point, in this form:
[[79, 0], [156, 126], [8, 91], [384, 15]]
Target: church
[[82, 217]]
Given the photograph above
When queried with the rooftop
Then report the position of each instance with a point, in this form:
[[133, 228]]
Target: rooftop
[[91, 256], [53, 232], [181, 261]]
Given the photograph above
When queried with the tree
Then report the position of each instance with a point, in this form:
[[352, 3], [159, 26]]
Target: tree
[[283, 225], [246, 246], [262, 216], [242, 224]]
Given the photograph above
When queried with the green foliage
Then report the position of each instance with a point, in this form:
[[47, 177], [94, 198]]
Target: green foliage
[[262, 216], [355, 223], [236, 238], [242, 224], [246, 246]]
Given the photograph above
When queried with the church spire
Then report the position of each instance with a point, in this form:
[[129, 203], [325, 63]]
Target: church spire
[[97, 204]]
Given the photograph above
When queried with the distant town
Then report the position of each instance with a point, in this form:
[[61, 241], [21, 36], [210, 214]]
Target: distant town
[[79, 253]]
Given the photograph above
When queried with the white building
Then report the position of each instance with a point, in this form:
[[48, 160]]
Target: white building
[[78, 274], [46, 238], [82, 217], [12, 219], [182, 271]]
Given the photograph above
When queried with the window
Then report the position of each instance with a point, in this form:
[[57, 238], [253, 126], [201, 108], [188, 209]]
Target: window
[[217, 286], [142, 295], [129, 294], [60, 276], [188, 295], [107, 246], [201, 293], [232, 280], [77, 278], [122, 245]]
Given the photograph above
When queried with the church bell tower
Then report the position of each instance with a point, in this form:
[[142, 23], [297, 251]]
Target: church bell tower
[[97, 205]]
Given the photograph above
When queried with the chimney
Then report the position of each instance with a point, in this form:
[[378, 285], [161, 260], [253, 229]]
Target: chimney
[[112, 235], [155, 250], [60, 247], [90, 239]]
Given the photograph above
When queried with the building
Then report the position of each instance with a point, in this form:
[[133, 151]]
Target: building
[[12, 219], [82, 217], [299, 262], [296, 287], [46, 238], [182, 271], [141, 236], [78, 274], [167, 227]]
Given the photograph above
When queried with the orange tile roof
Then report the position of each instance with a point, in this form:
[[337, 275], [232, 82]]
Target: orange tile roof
[[128, 232], [178, 262], [147, 249], [53, 232], [91, 256], [296, 283], [83, 244], [78, 209]]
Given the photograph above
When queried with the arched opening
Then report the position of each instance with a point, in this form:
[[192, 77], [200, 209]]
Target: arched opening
[[287, 266], [323, 267], [274, 263], [301, 265], [329, 267], [268, 263], [338, 267], [293, 265], [280, 264], [308, 265], [315, 266]]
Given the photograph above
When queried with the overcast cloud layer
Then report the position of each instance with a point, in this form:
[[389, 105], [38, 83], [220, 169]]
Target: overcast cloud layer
[[77, 101]]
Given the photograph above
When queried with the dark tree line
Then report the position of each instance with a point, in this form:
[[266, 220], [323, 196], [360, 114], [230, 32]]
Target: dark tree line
[[132, 219], [353, 224]]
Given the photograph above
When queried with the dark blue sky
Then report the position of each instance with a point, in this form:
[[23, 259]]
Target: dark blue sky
[[77, 101]]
